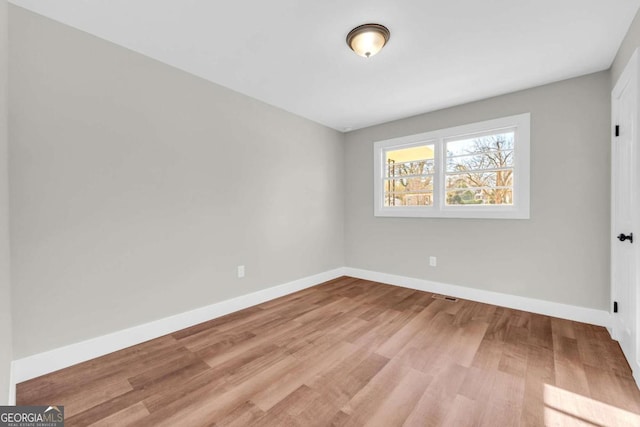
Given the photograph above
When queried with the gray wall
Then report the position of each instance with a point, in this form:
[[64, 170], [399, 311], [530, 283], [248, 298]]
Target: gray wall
[[561, 254], [5, 290], [628, 46], [137, 189]]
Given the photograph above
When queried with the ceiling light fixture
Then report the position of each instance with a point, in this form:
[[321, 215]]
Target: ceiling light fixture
[[368, 39]]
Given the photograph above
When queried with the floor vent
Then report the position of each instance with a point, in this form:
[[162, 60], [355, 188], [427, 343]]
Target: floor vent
[[444, 297]]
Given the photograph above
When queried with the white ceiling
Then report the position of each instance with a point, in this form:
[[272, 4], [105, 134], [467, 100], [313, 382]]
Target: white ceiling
[[292, 53]]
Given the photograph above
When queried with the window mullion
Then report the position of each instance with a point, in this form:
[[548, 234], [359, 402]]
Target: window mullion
[[441, 159]]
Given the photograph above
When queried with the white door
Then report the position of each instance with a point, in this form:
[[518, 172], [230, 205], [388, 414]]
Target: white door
[[625, 211]]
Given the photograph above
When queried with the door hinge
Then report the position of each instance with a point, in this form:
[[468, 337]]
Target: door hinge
[[615, 306], [617, 130]]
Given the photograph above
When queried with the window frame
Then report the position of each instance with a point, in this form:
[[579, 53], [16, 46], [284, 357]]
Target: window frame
[[520, 209], [435, 166]]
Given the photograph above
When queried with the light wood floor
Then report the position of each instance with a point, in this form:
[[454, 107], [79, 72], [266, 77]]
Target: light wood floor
[[353, 352]]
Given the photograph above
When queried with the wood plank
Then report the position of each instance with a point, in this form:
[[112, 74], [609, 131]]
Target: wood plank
[[243, 415], [303, 407], [366, 401], [540, 372], [436, 402], [347, 378], [569, 369], [406, 334], [503, 405], [400, 401], [463, 412], [296, 375], [514, 351], [127, 417], [613, 389]]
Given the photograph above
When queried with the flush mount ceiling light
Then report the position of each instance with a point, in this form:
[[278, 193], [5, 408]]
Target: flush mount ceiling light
[[368, 39]]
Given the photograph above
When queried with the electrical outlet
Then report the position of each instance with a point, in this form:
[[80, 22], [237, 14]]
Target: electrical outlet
[[433, 261], [240, 271]]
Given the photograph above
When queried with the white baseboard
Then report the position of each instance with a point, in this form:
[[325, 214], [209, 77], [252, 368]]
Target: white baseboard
[[53, 360], [554, 309]]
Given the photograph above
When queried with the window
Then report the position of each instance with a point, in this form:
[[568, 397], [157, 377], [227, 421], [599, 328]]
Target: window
[[408, 179], [479, 170]]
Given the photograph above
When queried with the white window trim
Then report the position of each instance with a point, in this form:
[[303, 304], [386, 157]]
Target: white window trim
[[521, 175]]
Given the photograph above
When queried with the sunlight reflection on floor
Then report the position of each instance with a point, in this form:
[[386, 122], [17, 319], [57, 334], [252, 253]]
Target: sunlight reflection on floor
[[564, 408]]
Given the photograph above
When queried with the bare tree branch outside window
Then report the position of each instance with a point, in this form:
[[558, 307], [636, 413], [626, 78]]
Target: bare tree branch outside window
[[480, 170], [409, 181]]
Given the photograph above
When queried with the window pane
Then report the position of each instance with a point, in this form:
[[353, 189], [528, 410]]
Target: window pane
[[409, 161], [418, 167], [493, 160], [483, 152], [408, 185], [408, 199], [481, 144], [480, 179], [480, 170], [477, 196]]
